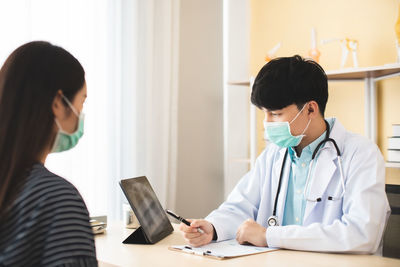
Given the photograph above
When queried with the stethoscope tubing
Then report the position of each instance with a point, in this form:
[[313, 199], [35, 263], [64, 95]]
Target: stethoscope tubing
[[280, 183]]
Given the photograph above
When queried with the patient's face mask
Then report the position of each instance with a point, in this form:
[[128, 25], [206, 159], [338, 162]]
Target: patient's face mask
[[65, 141], [279, 132]]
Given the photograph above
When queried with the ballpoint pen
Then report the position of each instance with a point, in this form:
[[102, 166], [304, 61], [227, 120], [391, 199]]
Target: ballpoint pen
[[181, 219]]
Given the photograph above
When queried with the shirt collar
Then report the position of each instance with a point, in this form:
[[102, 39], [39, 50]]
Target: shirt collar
[[309, 149]]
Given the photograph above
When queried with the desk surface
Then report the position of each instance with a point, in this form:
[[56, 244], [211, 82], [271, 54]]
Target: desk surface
[[111, 251]]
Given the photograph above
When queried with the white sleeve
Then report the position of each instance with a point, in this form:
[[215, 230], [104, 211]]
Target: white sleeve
[[242, 203]]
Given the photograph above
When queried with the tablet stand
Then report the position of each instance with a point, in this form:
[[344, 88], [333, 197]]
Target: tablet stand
[[137, 237]]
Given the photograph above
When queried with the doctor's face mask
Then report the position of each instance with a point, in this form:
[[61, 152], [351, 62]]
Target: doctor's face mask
[[279, 132]]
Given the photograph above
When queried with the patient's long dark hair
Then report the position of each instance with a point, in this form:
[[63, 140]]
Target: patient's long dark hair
[[29, 81]]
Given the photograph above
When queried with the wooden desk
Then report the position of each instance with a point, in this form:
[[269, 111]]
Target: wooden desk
[[111, 252]]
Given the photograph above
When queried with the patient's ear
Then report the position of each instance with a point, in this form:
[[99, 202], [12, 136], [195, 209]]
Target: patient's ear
[[58, 106]]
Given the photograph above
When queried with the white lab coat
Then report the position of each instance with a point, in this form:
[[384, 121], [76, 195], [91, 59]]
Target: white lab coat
[[354, 224]]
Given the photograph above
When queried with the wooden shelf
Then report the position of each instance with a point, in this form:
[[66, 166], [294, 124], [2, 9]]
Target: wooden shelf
[[240, 83], [363, 73]]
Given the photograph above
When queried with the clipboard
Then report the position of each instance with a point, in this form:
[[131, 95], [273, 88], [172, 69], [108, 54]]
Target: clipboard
[[222, 250]]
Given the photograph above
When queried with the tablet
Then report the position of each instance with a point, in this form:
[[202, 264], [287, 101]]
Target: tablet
[[154, 223]]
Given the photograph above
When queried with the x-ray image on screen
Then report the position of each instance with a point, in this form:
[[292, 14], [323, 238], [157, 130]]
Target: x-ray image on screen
[[146, 206]]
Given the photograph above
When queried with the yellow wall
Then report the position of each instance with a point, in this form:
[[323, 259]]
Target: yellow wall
[[371, 22]]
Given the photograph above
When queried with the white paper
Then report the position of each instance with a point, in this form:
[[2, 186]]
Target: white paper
[[224, 249]]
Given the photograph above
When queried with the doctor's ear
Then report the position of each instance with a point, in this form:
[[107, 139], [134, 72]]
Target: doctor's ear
[[312, 108]]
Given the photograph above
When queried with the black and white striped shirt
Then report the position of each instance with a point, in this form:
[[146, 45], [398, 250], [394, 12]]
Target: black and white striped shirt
[[48, 225]]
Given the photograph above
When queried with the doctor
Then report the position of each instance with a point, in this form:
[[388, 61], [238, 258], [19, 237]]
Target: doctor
[[315, 187]]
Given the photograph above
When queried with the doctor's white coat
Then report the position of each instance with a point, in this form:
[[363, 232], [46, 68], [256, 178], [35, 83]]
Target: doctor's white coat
[[353, 224]]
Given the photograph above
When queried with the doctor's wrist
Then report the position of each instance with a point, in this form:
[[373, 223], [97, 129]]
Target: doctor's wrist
[[215, 236]]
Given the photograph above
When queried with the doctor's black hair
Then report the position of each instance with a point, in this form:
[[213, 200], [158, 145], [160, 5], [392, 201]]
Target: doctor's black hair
[[290, 80]]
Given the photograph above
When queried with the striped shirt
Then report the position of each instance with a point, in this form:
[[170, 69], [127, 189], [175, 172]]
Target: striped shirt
[[48, 225]]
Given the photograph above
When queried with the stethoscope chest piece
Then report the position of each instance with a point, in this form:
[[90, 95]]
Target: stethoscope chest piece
[[273, 221]]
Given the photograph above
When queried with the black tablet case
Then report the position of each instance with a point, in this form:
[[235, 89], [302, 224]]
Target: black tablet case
[[139, 236]]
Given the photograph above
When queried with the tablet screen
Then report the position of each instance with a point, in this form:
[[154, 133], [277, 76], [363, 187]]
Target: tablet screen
[[147, 208]]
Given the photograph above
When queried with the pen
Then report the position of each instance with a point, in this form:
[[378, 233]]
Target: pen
[[179, 218]]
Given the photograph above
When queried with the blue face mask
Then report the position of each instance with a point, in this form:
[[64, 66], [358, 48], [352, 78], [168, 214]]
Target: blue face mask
[[65, 141], [279, 132]]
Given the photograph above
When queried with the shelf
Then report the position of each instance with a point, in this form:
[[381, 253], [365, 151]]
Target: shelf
[[392, 164], [369, 76], [376, 72], [241, 83]]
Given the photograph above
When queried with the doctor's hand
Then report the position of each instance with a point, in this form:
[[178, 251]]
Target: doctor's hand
[[253, 233], [193, 237]]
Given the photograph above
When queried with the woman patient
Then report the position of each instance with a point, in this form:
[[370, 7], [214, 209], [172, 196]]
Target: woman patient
[[43, 218]]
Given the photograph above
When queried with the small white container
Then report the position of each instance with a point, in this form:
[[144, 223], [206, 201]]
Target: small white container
[[130, 219]]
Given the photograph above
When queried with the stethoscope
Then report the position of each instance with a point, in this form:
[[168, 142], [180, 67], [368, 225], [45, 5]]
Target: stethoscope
[[273, 220]]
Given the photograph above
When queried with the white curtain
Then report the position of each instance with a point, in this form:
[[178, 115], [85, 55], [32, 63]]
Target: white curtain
[[158, 75], [127, 50]]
